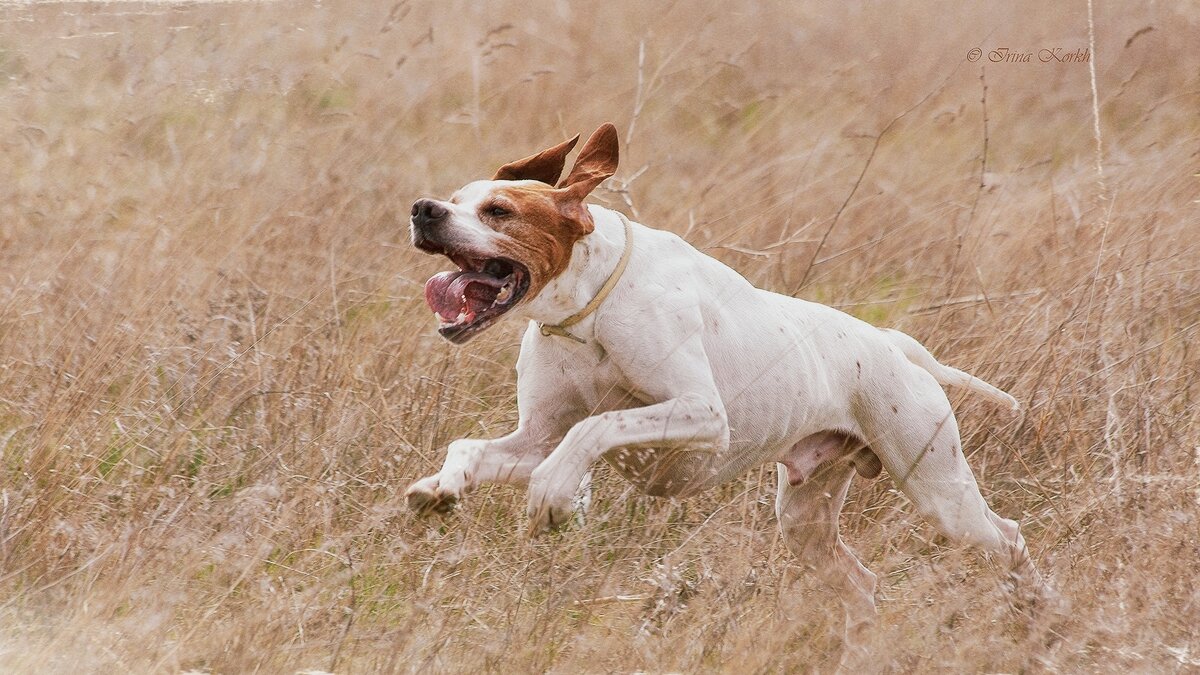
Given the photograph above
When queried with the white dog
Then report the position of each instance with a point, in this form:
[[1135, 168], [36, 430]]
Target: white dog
[[670, 366]]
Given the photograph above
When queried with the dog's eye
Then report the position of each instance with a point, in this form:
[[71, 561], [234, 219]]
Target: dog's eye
[[496, 211]]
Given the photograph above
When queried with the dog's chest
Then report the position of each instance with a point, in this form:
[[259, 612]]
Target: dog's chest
[[600, 385]]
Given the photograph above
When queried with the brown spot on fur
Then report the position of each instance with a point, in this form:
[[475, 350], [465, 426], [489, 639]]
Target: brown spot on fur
[[545, 222], [540, 232]]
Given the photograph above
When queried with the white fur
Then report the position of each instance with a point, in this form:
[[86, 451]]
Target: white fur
[[690, 376]]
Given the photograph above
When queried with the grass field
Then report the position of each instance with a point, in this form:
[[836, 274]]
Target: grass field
[[218, 374]]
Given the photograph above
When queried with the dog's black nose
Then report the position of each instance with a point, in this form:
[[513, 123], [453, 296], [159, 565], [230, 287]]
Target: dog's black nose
[[426, 212]]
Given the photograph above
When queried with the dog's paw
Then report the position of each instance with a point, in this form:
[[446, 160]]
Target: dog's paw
[[429, 496], [1034, 599], [546, 515], [429, 502]]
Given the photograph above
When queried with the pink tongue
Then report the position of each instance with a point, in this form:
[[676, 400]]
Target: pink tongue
[[437, 295], [444, 293]]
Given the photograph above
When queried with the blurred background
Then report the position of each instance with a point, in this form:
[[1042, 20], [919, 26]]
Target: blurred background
[[218, 374]]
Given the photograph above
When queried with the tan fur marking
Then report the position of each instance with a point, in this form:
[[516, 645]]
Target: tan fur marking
[[545, 166], [540, 232], [597, 161], [545, 222]]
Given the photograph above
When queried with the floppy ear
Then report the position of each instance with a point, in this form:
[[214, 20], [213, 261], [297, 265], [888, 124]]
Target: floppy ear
[[596, 161], [545, 166]]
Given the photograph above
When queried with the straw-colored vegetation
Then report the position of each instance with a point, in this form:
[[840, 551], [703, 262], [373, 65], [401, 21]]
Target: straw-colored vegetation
[[218, 375]]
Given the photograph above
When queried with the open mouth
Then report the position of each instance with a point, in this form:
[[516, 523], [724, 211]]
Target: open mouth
[[471, 299]]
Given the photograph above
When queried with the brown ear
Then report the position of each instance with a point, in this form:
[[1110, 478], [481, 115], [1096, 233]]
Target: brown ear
[[545, 166], [596, 161]]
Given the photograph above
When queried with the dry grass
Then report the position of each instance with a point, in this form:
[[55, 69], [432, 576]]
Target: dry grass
[[217, 374]]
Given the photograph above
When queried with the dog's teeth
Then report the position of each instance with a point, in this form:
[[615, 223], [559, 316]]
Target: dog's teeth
[[462, 316], [504, 294]]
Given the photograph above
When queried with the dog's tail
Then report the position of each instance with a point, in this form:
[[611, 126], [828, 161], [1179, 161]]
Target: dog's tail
[[916, 353]]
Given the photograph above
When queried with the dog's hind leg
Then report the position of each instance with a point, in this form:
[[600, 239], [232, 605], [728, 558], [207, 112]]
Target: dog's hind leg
[[915, 435], [808, 518]]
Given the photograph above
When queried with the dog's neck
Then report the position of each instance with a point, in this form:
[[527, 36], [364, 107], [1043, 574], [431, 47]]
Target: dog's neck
[[593, 259]]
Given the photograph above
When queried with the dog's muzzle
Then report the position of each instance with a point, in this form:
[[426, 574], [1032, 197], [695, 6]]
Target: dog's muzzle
[[427, 214]]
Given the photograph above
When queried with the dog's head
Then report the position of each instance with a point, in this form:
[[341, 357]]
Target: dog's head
[[510, 235]]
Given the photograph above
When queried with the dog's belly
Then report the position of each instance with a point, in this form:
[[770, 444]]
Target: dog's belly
[[681, 471]]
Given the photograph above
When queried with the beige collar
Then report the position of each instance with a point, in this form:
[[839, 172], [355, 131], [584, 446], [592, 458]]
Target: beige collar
[[561, 328]]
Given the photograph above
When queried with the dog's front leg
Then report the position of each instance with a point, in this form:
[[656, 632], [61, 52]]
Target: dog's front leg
[[546, 411], [692, 422], [470, 462]]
